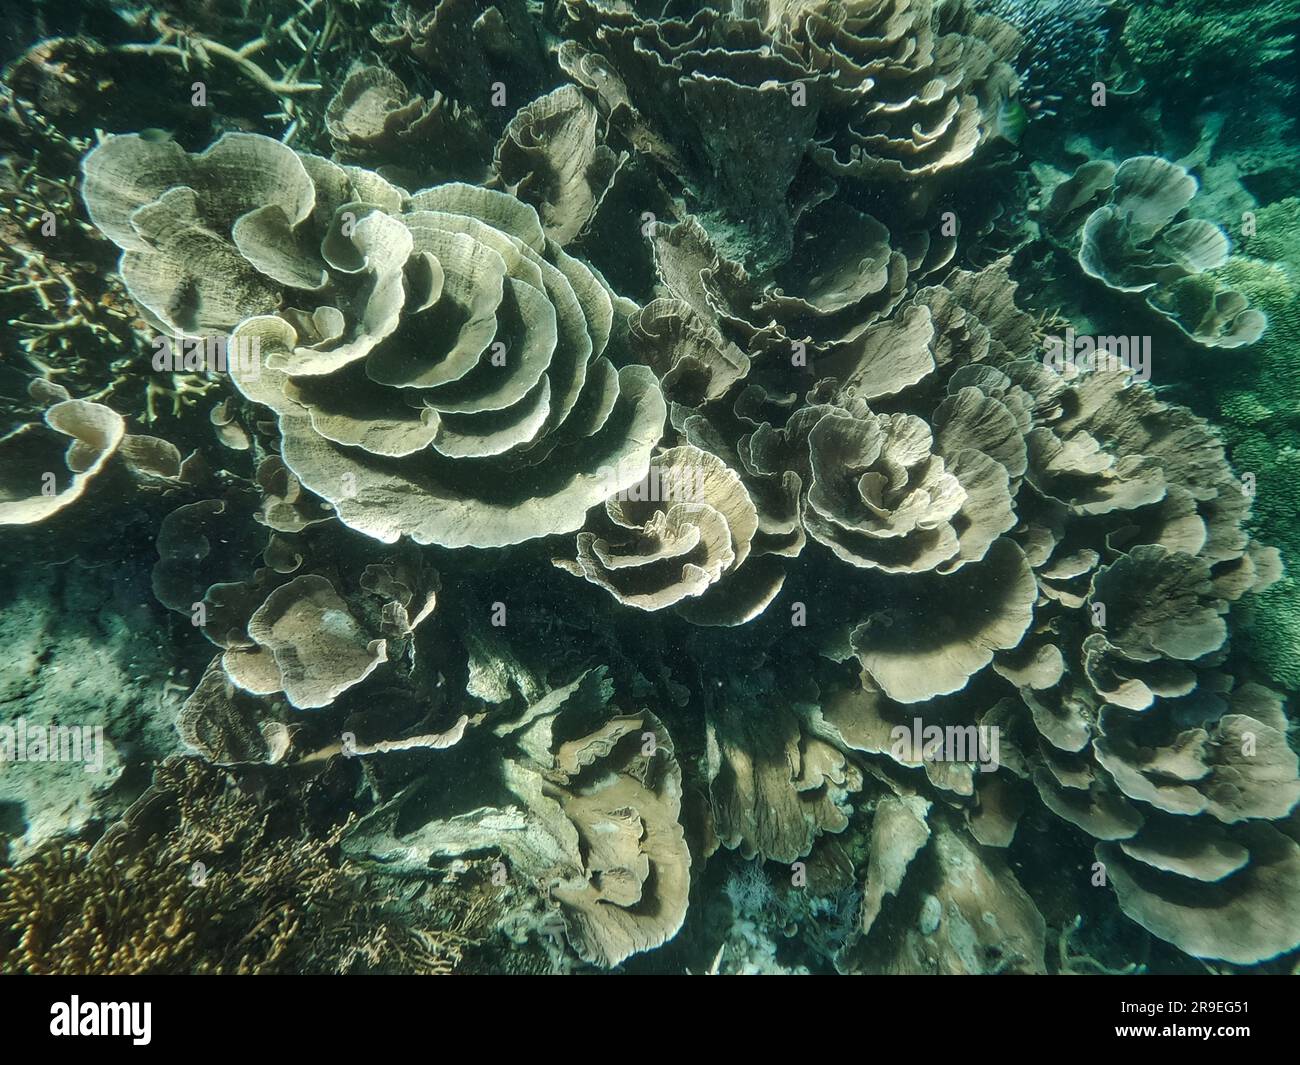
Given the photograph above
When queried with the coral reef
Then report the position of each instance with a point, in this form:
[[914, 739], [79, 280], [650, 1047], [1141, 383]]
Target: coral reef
[[884, 93], [451, 300], [616, 492], [595, 830], [1258, 406], [1180, 41]]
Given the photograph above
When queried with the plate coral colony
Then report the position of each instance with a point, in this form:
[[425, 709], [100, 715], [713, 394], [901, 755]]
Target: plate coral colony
[[741, 487]]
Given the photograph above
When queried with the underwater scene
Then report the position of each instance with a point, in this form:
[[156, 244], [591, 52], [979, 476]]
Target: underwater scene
[[649, 487]]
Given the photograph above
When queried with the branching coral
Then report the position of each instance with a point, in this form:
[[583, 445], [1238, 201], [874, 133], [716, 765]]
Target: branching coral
[[1182, 42], [1258, 401], [199, 878]]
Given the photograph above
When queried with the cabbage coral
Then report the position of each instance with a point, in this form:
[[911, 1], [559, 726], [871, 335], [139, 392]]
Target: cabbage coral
[[788, 542], [1138, 240], [427, 346], [441, 370], [886, 91]]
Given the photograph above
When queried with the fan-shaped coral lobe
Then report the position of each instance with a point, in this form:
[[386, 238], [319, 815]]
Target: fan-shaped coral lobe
[[892, 91], [451, 339], [646, 485], [48, 466], [691, 523], [1140, 240]]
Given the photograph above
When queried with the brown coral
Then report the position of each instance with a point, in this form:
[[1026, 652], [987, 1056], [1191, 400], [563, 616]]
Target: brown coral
[[198, 878], [888, 92], [589, 822], [48, 466], [1139, 240]]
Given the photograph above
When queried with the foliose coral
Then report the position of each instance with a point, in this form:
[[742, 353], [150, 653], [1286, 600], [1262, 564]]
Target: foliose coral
[[887, 92], [427, 340], [1138, 240], [619, 465]]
